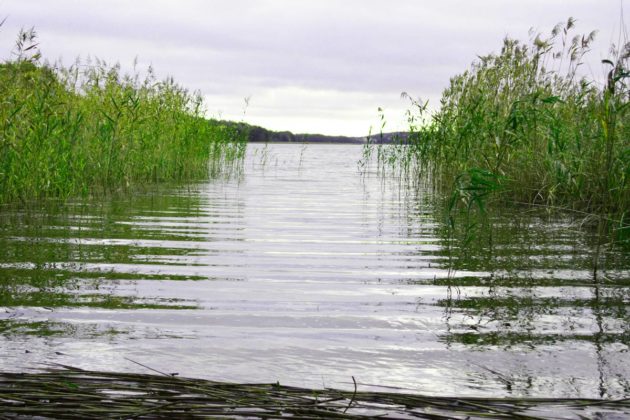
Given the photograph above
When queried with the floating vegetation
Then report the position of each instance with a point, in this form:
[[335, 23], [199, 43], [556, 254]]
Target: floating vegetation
[[89, 129], [70, 392]]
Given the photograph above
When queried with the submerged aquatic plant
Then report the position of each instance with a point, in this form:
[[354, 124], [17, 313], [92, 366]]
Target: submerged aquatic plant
[[90, 129]]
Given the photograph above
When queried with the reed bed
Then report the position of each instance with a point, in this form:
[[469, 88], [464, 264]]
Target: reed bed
[[68, 392], [90, 129], [528, 126]]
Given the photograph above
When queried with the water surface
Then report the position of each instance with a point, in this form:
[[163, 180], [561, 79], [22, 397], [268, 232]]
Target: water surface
[[305, 271]]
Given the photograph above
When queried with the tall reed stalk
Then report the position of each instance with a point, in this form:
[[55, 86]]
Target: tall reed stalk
[[90, 129], [523, 126]]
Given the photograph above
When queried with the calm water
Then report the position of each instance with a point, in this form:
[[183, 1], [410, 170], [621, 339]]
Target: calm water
[[306, 272]]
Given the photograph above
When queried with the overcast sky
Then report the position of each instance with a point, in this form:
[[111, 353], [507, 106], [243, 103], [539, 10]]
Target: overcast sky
[[308, 65]]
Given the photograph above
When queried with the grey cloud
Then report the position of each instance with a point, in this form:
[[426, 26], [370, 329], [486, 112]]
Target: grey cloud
[[236, 46]]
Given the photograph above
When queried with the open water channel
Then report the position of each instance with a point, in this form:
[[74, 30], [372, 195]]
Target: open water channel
[[304, 270]]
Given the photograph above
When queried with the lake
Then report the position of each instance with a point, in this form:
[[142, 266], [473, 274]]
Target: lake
[[303, 269]]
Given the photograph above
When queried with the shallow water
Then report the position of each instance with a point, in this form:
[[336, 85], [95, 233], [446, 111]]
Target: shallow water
[[303, 270]]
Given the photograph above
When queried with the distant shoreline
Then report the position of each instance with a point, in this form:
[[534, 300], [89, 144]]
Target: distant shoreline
[[258, 134]]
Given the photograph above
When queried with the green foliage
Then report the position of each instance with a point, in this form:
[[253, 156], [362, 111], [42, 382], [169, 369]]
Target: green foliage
[[521, 126], [89, 129]]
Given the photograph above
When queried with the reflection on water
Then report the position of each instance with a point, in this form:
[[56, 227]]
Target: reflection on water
[[304, 271]]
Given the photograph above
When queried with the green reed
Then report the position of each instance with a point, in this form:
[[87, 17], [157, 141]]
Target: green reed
[[89, 129], [523, 126]]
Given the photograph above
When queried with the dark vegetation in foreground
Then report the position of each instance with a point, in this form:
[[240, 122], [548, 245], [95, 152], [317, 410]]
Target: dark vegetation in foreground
[[76, 393], [523, 127], [88, 129]]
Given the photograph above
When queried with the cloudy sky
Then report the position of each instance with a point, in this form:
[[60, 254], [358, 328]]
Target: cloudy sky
[[307, 65]]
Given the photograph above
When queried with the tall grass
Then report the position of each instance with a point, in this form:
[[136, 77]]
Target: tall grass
[[90, 129], [522, 126]]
